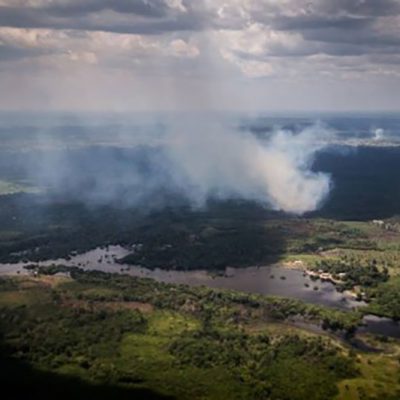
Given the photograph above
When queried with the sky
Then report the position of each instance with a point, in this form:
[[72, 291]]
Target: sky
[[200, 55]]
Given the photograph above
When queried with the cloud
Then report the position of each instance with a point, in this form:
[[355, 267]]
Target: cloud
[[73, 8], [180, 48], [121, 16], [56, 47], [274, 33], [235, 41]]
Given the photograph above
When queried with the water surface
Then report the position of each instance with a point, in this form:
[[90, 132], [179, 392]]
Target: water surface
[[268, 280]]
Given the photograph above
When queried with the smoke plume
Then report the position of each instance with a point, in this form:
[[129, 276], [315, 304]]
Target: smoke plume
[[213, 161], [194, 159]]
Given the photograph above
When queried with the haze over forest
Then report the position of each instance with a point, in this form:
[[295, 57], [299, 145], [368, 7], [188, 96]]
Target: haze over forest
[[200, 199]]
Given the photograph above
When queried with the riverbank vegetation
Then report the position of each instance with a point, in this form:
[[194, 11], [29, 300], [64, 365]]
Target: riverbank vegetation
[[230, 233], [173, 340], [233, 233]]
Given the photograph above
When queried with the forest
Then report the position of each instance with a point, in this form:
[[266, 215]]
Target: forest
[[110, 335], [171, 341]]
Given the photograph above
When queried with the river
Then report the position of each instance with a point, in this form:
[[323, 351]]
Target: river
[[269, 280]]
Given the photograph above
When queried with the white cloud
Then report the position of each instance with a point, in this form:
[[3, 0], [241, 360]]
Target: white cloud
[[57, 46], [180, 48], [254, 49], [232, 42], [84, 56], [176, 4], [259, 40], [38, 38]]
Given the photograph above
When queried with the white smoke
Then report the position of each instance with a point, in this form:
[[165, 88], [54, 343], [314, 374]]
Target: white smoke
[[199, 158], [379, 134], [223, 163]]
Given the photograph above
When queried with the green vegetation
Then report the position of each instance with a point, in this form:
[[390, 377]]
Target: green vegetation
[[136, 336], [224, 234], [352, 275], [231, 233], [209, 247], [174, 340], [385, 299], [378, 378], [373, 273], [223, 305]]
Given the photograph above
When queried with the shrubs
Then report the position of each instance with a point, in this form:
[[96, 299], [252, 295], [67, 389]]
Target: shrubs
[[385, 300], [66, 335], [92, 331], [353, 274], [290, 368]]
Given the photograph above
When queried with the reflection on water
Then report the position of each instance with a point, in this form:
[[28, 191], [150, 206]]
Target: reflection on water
[[381, 326], [269, 280]]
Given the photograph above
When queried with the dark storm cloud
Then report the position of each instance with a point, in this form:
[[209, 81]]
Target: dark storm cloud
[[21, 18], [341, 36], [370, 39], [311, 22], [120, 16], [334, 22], [373, 8], [150, 8], [333, 27]]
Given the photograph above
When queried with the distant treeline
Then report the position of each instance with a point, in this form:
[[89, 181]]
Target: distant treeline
[[366, 182]]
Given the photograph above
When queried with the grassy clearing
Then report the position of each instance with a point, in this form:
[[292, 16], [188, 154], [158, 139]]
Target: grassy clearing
[[307, 260], [147, 360], [28, 292], [380, 379], [166, 323]]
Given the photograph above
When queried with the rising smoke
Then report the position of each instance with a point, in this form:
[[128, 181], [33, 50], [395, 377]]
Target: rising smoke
[[196, 161], [213, 161], [379, 134]]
